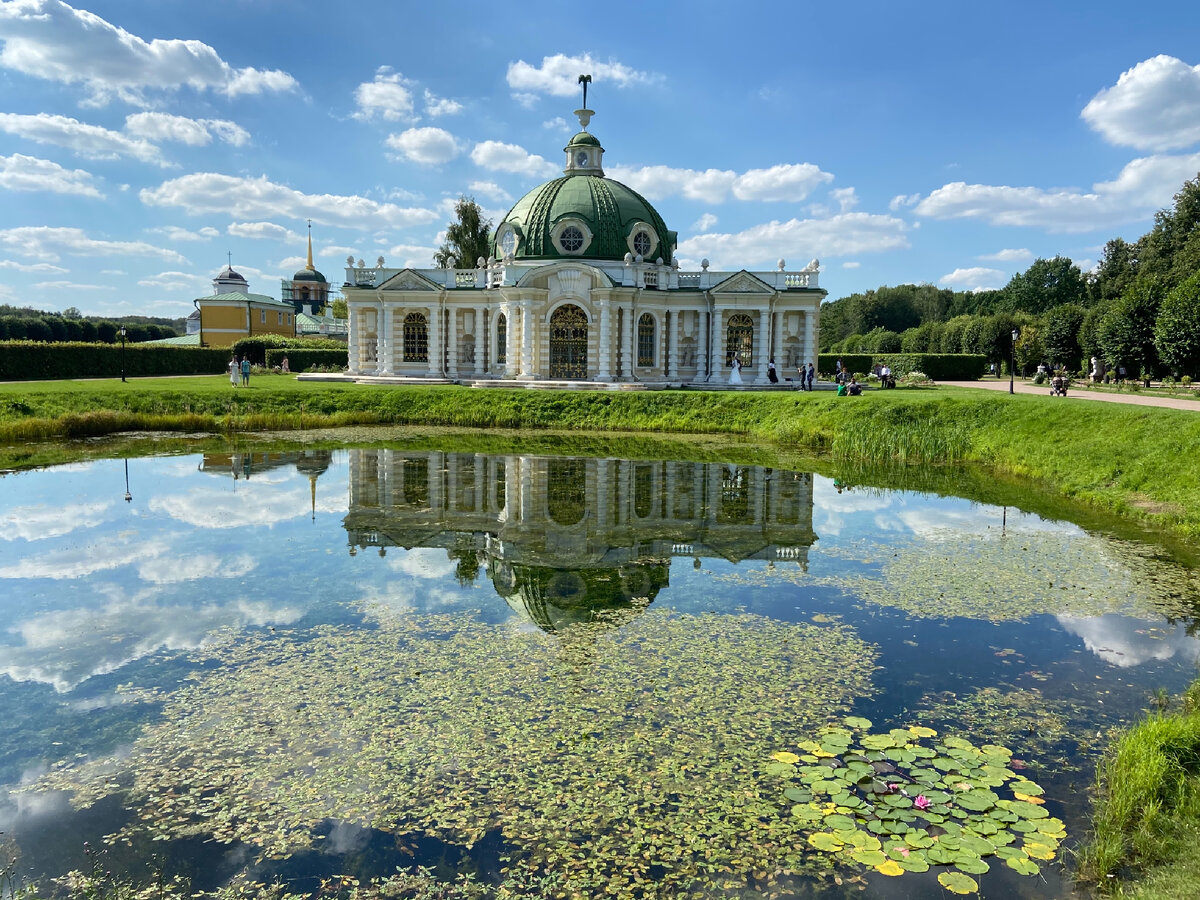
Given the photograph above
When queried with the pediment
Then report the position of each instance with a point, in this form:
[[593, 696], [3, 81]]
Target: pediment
[[409, 280], [743, 283]]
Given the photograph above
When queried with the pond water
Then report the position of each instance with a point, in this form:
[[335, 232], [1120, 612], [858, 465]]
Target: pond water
[[562, 676]]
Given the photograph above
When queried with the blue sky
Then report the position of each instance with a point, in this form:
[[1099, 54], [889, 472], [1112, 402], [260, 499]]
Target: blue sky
[[947, 143]]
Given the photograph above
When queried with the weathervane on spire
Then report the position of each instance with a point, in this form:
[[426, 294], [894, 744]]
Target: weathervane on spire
[[585, 114]]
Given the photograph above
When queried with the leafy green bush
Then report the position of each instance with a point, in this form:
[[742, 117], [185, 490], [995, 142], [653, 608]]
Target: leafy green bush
[[29, 360], [851, 362], [256, 347], [938, 366], [304, 359]]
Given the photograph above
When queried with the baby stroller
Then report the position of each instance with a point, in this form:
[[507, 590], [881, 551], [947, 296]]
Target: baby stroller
[[1058, 386]]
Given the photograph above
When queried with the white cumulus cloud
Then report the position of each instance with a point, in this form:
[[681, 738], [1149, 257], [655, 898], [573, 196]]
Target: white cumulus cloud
[[156, 126], [441, 106], [974, 278], [49, 244], [261, 231], [427, 146], [558, 75], [51, 40], [388, 97], [501, 157], [88, 141], [28, 173], [1153, 106], [845, 234], [1017, 255], [785, 182], [260, 198], [1143, 186]]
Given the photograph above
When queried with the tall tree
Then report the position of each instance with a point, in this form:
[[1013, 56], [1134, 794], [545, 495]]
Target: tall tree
[[466, 236], [1044, 285], [1118, 267], [1060, 335], [1177, 329], [1125, 333]]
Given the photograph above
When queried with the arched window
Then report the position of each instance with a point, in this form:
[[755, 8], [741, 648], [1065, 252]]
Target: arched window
[[416, 338], [645, 344], [739, 340], [566, 490], [502, 339]]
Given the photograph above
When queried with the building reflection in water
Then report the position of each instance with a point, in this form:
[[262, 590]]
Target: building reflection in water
[[310, 463], [568, 540]]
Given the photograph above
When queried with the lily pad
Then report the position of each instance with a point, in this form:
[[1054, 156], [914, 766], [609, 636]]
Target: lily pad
[[957, 883]]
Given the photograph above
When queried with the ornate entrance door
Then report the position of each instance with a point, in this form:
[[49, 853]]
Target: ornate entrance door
[[740, 340], [568, 343]]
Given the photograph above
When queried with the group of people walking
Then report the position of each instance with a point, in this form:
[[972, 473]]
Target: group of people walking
[[806, 374]]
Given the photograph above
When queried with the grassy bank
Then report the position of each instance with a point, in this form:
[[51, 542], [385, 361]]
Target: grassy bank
[[1138, 462], [1146, 839]]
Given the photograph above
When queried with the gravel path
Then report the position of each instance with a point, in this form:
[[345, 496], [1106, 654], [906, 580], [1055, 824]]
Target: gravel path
[[995, 384]]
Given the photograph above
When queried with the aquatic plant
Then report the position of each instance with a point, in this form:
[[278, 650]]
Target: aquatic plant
[[904, 802], [1002, 577], [622, 758], [1148, 796]]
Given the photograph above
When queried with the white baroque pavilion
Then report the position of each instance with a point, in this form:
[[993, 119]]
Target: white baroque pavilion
[[582, 285]]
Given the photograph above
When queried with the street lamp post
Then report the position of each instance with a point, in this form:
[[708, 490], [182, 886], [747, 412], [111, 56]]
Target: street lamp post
[[128, 496], [122, 333], [1012, 363]]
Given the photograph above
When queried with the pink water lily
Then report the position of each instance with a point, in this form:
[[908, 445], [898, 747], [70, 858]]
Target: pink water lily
[[922, 802]]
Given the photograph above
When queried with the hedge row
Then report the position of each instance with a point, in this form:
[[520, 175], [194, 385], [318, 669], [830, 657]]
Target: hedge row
[[301, 359], [56, 329], [938, 366], [27, 361], [851, 362], [256, 347]]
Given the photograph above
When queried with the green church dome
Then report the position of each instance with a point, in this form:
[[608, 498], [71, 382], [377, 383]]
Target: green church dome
[[610, 211], [583, 215]]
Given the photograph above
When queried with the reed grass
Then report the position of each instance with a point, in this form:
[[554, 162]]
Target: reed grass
[[1138, 462], [1147, 808]]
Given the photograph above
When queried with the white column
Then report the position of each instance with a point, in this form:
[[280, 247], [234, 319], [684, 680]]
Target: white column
[[510, 342], [434, 318], [717, 362], [777, 342], [627, 345], [809, 347], [526, 497], [383, 341], [764, 320], [703, 348], [352, 339], [480, 479], [672, 317], [604, 313], [526, 339], [452, 342], [603, 490], [482, 331]]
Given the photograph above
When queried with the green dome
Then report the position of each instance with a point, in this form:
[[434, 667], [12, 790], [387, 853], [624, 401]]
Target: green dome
[[309, 275], [609, 209], [583, 139]]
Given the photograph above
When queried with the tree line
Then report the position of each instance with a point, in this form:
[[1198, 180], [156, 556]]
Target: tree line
[[26, 324], [1139, 309]]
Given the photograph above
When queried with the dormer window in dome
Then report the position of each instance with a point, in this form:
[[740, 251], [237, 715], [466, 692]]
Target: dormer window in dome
[[572, 237], [642, 240], [507, 241]]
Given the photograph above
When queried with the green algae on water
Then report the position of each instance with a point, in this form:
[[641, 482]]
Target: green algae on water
[[619, 757]]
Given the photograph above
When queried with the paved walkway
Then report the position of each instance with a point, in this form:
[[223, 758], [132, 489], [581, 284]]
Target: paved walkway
[[1026, 387]]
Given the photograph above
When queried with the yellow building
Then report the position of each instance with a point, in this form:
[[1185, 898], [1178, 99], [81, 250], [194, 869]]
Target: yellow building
[[232, 312]]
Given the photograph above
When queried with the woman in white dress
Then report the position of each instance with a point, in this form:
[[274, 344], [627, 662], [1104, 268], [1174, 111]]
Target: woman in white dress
[[735, 371], [235, 373]]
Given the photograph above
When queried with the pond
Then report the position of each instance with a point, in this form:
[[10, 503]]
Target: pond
[[557, 676]]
